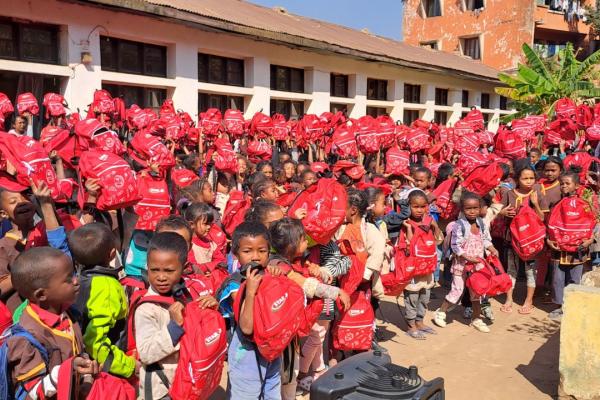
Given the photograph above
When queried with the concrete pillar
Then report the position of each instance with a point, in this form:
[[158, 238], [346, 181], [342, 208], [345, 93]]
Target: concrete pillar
[[318, 82], [579, 361], [455, 101], [357, 88], [258, 74], [396, 90], [182, 64], [428, 94], [79, 89]]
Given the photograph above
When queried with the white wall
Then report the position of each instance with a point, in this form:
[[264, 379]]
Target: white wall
[[82, 26]]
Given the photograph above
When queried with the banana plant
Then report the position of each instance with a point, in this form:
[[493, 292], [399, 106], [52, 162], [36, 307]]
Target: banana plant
[[536, 87]]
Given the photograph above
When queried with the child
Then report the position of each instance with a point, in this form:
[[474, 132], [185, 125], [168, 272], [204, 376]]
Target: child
[[101, 300], [208, 251], [250, 375], [45, 277], [417, 292], [308, 178], [526, 190], [470, 239], [265, 212], [158, 329], [568, 266], [265, 189]]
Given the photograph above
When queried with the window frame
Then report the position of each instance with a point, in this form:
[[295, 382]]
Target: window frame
[[223, 99], [441, 97], [227, 62], [142, 93], [463, 45], [471, 7], [465, 102], [380, 85], [288, 85], [425, 8], [333, 86], [430, 44], [409, 93], [503, 103], [142, 49], [288, 104], [376, 111], [436, 116], [16, 40], [487, 102], [404, 114]]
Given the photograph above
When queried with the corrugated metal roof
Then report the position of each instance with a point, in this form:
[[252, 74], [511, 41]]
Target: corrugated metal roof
[[246, 14]]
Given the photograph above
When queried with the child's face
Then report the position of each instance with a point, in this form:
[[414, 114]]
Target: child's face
[[201, 227], [527, 180], [378, 209], [270, 193], [253, 248], [551, 171], [309, 179], [242, 167], [418, 208], [268, 171], [289, 170], [568, 186], [396, 182], [302, 246], [471, 209], [63, 287], [272, 216], [534, 157], [208, 195], [16, 207], [184, 233], [164, 270], [421, 180]]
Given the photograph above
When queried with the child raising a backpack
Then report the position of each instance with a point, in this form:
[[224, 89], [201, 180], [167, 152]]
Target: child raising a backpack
[[571, 232], [417, 292], [470, 240]]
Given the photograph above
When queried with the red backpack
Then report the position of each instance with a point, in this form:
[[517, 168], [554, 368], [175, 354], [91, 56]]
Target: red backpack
[[443, 193], [343, 142], [325, 203], [528, 233], [261, 126], [484, 178], [202, 351], [226, 158], [470, 160], [509, 144], [419, 257], [312, 128], [210, 122], [538, 122], [491, 280], [183, 177], [580, 159], [571, 222], [584, 116], [6, 107], [386, 131], [397, 161], [565, 108], [465, 139], [278, 314], [102, 104], [354, 331], [26, 102], [145, 148], [235, 210], [137, 118], [116, 179], [474, 119], [55, 105], [524, 128], [366, 135], [259, 151], [155, 203], [92, 134], [233, 120], [54, 138], [30, 160], [417, 139], [593, 132], [281, 130]]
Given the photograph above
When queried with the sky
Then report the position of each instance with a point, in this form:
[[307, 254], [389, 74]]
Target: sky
[[383, 20]]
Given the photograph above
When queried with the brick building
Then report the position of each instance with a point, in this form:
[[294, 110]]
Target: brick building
[[493, 31]]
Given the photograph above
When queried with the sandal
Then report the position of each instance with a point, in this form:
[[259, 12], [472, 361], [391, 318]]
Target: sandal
[[525, 310], [305, 383], [506, 308], [418, 335], [428, 330]]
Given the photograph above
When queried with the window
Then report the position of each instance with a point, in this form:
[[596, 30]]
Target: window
[[132, 57], [486, 118], [463, 114], [339, 85], [142, 96], [432, 8], [410, 116], [503, 103], [430, 45], [28, 42], [291, 109], [220, 101], [441, 117], [377, 89], [412, 93], [472, 5], [470, 47], [287, 79], [441, 97], [335, 107], [485, 100], [220, 70], [465, 98], [376, 111]]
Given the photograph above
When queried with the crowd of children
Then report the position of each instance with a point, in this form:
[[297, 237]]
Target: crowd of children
[[140, 252]]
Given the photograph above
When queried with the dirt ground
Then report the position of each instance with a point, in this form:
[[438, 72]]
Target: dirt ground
[[517, 360]]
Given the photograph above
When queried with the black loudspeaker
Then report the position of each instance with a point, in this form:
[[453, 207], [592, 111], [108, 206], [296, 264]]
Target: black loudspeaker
[[371, 375]]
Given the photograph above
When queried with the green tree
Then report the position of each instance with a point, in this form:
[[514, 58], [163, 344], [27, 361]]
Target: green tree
[[536, 86]]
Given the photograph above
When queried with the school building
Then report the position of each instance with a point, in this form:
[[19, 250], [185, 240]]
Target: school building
[[493, 31], [231, 54]]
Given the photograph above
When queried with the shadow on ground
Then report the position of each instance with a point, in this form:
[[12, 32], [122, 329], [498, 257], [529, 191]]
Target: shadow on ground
[[542, 370]]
